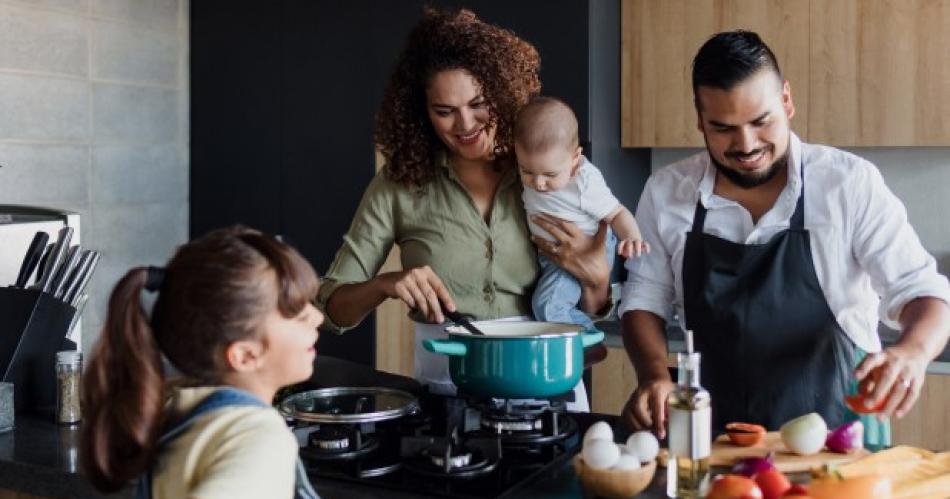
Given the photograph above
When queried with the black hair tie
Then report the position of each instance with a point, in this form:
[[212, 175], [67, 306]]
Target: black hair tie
[[154, 278]]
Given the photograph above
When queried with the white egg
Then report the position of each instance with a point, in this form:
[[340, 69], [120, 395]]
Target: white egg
[[625, 450], [600, 453], [627, 462], [600, 430], [644, 445]]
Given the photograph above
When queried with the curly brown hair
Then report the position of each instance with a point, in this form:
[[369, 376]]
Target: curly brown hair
[[505, 66]]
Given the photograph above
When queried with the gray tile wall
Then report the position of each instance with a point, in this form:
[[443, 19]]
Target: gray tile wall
[[94, 118], [919, 176]]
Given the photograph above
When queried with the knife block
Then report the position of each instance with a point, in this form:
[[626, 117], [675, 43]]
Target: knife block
[[33, 328]]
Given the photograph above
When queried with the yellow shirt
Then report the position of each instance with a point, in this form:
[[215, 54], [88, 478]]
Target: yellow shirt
[[232, 452], [489, 268]]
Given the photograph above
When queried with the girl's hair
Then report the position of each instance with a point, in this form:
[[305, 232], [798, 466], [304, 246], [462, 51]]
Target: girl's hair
[[505, 66], [216, 290]]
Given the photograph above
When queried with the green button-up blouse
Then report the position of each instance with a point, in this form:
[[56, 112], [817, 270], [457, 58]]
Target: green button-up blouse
[[489, 268]]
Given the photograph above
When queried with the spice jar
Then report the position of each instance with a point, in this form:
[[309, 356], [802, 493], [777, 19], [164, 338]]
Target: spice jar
[[68, 370]]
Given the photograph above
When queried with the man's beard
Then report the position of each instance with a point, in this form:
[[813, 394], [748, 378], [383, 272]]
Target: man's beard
[[750, 180]]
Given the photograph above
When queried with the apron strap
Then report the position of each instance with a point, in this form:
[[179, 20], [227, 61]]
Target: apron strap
[[798, 218], [699, 217]]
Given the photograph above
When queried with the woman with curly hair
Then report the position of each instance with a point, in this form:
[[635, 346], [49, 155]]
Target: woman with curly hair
[[449, 194]]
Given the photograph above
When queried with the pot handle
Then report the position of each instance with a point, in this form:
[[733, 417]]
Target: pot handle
[[446, 347], [591, 337]]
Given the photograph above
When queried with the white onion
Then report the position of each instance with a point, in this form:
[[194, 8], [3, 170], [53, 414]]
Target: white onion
[[599, 453], [643, 445], [806, 434]]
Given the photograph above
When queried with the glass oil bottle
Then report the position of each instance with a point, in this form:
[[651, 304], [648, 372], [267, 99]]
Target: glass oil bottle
[[690, 437]]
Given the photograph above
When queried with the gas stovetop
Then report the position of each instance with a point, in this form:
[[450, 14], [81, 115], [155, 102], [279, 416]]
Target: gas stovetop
[[446, 447]]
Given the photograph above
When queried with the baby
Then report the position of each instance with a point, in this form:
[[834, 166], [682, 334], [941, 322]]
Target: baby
[[560, 181]]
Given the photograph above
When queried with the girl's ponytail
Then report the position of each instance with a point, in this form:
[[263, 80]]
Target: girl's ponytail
[[123, 391]]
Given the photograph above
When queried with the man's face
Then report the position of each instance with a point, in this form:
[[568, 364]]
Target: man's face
[[746, 128]]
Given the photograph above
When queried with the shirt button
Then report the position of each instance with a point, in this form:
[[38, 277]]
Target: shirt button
[[487, 289]]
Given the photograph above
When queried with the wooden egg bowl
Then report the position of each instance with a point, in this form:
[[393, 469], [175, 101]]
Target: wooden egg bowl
[[614, 483]]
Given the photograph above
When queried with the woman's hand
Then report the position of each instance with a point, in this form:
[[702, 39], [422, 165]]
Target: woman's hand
[[583, 256], [419, 288]]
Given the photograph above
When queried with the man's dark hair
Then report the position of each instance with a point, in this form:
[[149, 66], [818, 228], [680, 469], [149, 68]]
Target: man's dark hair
[[728, 58]]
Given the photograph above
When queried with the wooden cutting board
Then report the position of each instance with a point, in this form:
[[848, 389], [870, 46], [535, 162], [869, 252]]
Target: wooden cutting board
[[724, 453]]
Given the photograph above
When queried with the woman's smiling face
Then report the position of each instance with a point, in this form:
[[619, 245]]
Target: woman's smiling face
[[459, 114]]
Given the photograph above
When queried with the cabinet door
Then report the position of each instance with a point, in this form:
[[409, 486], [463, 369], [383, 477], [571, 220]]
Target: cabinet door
[[927, 422], [658, 42], [878, 72]]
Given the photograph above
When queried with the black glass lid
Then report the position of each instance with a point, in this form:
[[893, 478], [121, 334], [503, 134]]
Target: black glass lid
[[348, 405]]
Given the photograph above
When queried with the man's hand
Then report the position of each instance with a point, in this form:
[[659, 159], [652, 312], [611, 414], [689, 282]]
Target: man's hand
[[628, 248], [646, 408], [901, 369], [902, 374]]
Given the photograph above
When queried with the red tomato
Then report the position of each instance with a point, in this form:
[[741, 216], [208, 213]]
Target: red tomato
[[796, 490], [856, 404], [745, 434], [773, 483], [734, 487], [865, 387]]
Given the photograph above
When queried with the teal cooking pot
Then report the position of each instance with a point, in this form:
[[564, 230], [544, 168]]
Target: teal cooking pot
[[524, 359]]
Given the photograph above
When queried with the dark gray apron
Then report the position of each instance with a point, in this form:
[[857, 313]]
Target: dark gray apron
[[771, 348]]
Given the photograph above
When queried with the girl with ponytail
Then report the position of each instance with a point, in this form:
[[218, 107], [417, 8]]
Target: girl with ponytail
[[233, 315]]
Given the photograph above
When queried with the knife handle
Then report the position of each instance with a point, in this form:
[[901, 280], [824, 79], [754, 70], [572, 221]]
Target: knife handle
[[42, 266], [83, 280], [74, 277], [59, 280], [33, 255], [52, 263]]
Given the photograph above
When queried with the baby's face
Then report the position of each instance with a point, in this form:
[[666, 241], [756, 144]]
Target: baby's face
[[549, 170]]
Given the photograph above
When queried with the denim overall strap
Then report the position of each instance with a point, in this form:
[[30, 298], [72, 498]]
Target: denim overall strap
[[224, 397]]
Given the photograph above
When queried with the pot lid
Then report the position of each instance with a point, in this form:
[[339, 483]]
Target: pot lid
[[348, 405], [518, 329]]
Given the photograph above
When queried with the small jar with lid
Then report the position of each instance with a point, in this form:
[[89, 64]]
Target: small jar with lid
[[68, 372]]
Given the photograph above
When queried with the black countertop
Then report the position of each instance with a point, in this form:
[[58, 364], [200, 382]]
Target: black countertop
[[41, 458]]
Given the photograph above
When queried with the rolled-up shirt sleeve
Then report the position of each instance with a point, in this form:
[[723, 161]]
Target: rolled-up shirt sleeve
[[365, 246], [649, 284], [889, 250]]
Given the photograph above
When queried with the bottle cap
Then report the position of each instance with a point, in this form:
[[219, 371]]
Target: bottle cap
[[688, 360], [68, 357]]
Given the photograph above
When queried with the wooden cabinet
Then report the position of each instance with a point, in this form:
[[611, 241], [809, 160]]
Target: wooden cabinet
[[612, 380], [926, 424], [878, 74], [658, 42], [862, 72]]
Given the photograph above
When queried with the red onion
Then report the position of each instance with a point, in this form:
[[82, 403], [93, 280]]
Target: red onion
[[846, 438], [752, 466]]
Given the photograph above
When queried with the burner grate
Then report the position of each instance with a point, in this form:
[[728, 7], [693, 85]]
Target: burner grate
[[447, 457]]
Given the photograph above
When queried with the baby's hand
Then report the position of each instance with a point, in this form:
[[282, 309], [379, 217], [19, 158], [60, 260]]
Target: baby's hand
[[628, 248]]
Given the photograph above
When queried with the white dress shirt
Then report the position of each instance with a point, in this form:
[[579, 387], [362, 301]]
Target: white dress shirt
[[868, 259]]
